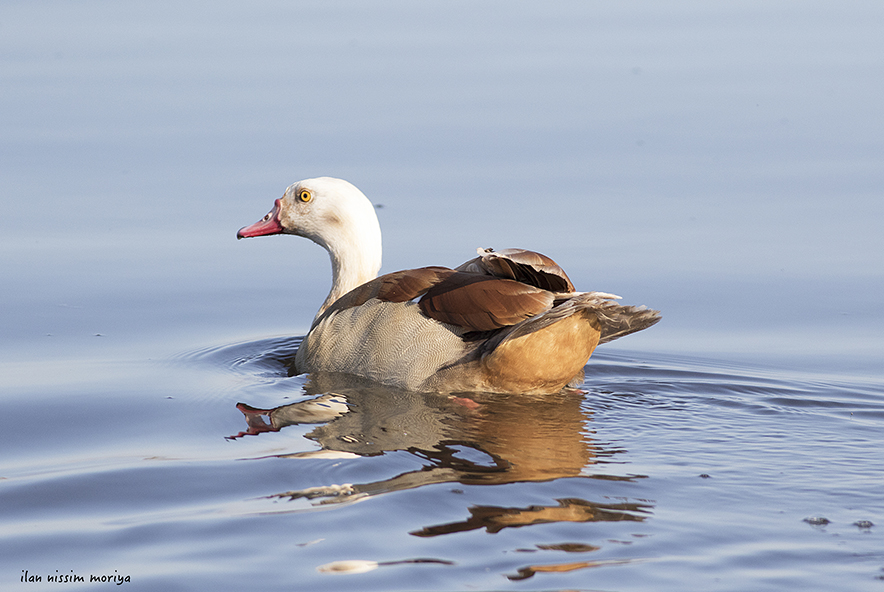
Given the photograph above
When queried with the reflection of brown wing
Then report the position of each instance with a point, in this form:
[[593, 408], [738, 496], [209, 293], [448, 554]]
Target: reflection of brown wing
[[514, 438], [521, 265], [483, 303], [528, 572], [494, 518]]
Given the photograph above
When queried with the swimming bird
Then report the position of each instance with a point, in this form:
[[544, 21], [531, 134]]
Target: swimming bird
[[506, 321]]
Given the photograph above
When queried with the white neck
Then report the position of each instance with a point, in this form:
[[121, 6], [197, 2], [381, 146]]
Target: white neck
[[338, 217], [352, 266], [345, 223]]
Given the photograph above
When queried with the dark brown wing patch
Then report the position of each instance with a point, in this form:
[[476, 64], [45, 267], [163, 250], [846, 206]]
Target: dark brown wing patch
[[402, 286], [482, 302], [521, 265], [399, 286]]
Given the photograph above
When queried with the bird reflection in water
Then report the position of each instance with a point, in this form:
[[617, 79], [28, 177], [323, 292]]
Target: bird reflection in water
[[467, 438]]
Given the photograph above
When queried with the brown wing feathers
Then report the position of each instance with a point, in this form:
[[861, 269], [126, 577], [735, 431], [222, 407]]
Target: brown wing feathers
[[399, 286], [483, 303], [475, 302], [496, 290], [402, 286]]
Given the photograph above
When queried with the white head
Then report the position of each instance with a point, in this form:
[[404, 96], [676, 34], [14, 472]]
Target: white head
[[336, 215]]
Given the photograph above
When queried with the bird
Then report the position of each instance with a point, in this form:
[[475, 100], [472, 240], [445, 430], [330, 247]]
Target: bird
[[508, 321]]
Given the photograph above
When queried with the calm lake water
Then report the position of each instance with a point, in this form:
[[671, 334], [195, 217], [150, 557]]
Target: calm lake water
[[722, 163]]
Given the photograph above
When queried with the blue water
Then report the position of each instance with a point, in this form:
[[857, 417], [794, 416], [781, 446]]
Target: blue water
[[718, 162]]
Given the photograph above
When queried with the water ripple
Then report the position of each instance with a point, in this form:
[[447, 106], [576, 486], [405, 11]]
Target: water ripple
[[261, 357], [681, 384]]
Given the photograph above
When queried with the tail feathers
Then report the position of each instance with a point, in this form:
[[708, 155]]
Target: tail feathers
[[614, 320], [617, 320]]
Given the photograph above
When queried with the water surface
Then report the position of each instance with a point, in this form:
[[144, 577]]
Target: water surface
[[720, 163]]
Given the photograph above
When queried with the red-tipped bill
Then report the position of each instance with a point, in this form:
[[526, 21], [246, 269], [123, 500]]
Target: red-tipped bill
[[269, 224]]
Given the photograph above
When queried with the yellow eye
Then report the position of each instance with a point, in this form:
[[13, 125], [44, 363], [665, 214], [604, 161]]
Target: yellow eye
[[305, 196]]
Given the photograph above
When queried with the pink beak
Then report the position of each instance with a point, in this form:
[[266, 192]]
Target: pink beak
[[269, 224]]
